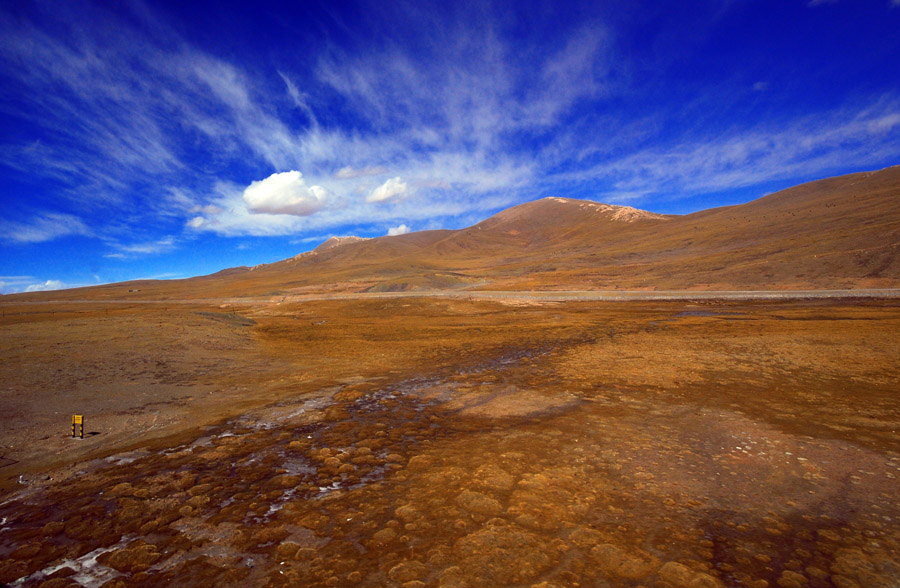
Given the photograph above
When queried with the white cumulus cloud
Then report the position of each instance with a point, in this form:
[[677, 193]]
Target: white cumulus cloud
[[393, 188], [285, 193], [398, 230]]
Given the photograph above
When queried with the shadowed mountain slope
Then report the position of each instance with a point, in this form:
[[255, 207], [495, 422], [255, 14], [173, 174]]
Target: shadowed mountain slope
[[841, 232]]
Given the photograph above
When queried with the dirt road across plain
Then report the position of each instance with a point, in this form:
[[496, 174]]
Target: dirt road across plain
[[535, 295]]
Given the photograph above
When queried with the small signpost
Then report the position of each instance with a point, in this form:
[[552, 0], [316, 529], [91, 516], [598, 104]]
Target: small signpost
[[77, 426]]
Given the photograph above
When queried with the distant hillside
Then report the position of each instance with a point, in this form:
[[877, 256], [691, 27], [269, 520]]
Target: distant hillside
[[841, 232]]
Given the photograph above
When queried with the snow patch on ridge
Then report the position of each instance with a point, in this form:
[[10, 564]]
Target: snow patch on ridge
[[338, 241], [329, 243], [616, 212]]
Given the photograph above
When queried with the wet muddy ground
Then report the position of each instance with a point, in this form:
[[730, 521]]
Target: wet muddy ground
[[666, 445]]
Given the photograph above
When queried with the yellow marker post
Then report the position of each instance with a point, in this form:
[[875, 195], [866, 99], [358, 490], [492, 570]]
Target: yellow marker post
[[78, 424]]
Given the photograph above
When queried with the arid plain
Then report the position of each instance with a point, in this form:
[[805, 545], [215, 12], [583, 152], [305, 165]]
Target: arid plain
[[461, 440], [454, 442]]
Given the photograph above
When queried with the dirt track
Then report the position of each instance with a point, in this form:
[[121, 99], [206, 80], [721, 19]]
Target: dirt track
[[535, 295]]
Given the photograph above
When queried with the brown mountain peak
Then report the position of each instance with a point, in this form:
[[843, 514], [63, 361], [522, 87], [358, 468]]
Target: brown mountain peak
[[554, 210]]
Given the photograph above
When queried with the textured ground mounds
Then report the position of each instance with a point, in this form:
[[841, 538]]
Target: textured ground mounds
[[392, 483]]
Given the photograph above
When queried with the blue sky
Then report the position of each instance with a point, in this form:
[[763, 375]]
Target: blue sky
[[174, 139]]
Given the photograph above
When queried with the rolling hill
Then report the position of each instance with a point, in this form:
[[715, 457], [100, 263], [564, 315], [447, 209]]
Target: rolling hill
[[837, 233]]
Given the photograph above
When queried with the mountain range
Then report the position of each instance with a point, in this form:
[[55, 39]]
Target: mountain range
[[836, 233]]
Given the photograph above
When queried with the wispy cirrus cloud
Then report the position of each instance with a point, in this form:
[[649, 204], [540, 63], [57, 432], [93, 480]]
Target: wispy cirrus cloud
[[811, 146], [813, 3], [134, 250], [437, 119], [43, 227], [86, 93], [128, 109], [10, 284], [142, 110], [348, 173]]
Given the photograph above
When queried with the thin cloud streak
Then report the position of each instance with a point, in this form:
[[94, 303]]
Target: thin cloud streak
[[44, 227], [16, 284], [135, 250], [814, 146]]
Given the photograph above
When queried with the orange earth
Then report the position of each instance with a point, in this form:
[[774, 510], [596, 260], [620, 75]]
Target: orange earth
[[425, 442]]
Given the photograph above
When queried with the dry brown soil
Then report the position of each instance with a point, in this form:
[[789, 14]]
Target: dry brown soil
[[429, 442]]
